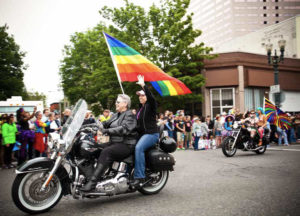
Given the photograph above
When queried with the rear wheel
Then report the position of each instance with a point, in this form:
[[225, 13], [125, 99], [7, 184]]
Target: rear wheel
[[157, 182], [261, 150], [227, 147], [29, 198]]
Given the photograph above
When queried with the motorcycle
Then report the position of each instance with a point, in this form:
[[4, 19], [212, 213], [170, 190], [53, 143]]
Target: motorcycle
[[41, 182], [240, 139]]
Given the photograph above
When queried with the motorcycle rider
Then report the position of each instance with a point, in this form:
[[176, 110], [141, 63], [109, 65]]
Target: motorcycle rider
[[121, 128], [253, 120], [147, 129]]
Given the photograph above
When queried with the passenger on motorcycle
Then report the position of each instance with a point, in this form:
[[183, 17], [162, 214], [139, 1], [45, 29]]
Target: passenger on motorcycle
[[121, 128], [147, 129], [262, 123]]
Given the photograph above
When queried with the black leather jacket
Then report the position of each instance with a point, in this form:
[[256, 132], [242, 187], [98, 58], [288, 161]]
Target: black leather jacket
[[125, 132], [146, 118]]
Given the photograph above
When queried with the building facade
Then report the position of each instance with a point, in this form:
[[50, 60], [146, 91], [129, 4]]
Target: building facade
[[242, 80], [224, 20], [255, 42]]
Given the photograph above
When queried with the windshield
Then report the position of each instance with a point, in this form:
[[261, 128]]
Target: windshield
[[74, 123]]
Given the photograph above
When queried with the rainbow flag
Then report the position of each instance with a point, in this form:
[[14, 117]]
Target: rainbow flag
[[129, 64], [276, 116]]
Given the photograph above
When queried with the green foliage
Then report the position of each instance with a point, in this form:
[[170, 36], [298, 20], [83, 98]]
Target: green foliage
[[164, 35], [11, 66]]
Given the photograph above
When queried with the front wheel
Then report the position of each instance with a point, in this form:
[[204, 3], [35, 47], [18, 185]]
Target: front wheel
[[156, 184], [227, 148], [27, 196]]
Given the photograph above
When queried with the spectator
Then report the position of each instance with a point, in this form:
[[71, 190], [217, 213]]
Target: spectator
[[26, 136], [66, 114], [106, 115], [54, 125], [40, 132], [210, 125], [176, 120], [188, 132], [292, 137], [46, 113], [9, 130], [196, 132], [180, 125], [89, 118], [204, 133], [170, 125], [282, 134], [218, 131], [297, 126], [223, 116], [2, 121]]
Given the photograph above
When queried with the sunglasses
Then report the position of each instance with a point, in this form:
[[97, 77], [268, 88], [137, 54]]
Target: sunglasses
[[117, 102]]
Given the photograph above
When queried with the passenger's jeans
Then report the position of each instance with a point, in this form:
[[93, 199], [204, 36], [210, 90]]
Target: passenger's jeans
[[144, 143], [280, 134]]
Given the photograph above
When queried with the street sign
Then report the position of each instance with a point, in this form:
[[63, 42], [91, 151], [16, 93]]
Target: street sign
[[274, 89]]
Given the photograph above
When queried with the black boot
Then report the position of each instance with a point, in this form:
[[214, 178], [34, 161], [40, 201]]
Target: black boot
[[137, 183], [100, 169]]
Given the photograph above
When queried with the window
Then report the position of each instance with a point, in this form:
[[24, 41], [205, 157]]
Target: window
[[265, 22], [277, 22], [276, 7], [265, 15], [265, 7], [277, 15], [254, 98], [264, 0], [221, 100]]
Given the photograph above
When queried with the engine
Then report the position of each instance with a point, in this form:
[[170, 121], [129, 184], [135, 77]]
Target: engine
[[116, 185]]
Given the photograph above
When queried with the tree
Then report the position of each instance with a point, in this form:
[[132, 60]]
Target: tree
[[11, 66], [164, 34]]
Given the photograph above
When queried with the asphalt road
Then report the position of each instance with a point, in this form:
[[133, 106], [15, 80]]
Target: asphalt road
[[203, 183]]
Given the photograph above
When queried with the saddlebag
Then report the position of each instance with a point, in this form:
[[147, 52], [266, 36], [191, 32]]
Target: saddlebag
[[158, 160]]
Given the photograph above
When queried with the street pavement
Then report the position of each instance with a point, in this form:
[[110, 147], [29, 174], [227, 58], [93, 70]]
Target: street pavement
[[203, 183]]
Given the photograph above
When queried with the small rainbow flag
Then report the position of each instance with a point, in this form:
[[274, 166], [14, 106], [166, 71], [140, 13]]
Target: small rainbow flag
[[276, 116], [129, 64]]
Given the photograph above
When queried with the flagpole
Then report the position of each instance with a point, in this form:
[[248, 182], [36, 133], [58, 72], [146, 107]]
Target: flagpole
[[113, 60]]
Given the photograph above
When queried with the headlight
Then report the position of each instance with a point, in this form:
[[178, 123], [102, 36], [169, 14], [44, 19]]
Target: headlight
[[235, 126]]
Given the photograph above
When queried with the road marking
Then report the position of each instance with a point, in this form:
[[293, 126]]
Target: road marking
[[276, 149]]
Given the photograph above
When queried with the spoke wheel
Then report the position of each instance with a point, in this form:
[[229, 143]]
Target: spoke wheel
[[261, 150], [227, 148], [157, 182], [29, 198]]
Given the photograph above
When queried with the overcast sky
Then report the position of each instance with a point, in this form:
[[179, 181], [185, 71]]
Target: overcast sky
[[42, 27]]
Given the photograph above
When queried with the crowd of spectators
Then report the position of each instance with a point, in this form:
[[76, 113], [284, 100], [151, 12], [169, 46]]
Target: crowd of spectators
[[24, 136], [200, 133]]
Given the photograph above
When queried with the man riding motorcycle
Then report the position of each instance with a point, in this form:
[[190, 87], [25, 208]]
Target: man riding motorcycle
[[121, 128]]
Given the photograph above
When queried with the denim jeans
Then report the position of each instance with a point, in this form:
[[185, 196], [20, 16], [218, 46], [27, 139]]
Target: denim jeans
[[196, 142], [280, 134], [292, 135], [144, 143]]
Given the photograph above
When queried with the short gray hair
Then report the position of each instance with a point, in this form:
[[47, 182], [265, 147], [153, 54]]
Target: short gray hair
[[126, 99]]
